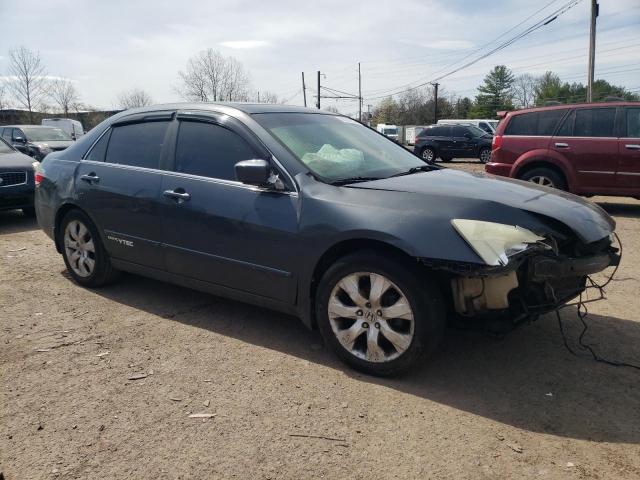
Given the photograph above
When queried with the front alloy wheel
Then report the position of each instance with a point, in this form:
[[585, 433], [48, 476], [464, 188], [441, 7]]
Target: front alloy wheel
[[485, 155], [428, 155], [371, 317], [379, 313]]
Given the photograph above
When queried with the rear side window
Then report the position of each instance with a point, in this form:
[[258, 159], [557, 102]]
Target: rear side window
[[594, 122], [459, 131], [535, 123], [6, 134], [99, 149], [633, 123], [137, 144], [442, 131], [210, 150]]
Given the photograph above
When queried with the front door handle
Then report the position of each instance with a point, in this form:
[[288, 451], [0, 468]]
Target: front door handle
[[632, 147], [177, 194], [91, 178], [562, 145]]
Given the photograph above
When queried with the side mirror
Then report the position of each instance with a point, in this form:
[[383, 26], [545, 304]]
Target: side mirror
[[253, 172], [19, 139]]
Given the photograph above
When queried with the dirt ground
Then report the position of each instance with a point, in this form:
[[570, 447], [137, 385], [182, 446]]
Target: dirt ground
[[482, 408]]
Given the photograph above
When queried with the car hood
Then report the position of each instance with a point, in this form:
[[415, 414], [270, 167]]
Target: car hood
[[456, 191], [15, 161], [54, 144]]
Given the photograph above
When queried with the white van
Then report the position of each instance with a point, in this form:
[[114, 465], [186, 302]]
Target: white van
[[410, 133], [390, 131], [485, 124], [72, 127]]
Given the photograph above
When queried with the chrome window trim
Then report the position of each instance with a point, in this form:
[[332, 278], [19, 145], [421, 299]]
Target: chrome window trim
[[94, 144], [604, 172], [635, 174]]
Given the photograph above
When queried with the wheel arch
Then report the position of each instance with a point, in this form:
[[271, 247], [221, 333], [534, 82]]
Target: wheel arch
[[525, 165], [60, 213]]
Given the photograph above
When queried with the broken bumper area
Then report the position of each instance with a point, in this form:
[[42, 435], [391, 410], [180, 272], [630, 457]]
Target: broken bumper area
[[531, 284]]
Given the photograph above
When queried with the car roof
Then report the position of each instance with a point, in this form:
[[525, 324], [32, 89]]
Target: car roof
[[248, 108], [574, 105], [24, 126]]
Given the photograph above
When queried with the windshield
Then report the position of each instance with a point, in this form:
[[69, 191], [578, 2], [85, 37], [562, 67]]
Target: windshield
[[477, 132], [494, 124], [4, 148], [46, 134], [337, 148]]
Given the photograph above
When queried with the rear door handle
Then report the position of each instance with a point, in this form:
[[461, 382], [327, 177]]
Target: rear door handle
[[91, 178], [177, 194], [632, 147], [562, 145]]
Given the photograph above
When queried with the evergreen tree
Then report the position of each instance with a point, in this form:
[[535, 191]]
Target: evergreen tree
[[495, 94]]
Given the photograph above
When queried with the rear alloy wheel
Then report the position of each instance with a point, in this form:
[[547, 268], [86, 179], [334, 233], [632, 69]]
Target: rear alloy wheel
[[378, 315], [485, 155], [428, 155], [545, 177], [84, 255]]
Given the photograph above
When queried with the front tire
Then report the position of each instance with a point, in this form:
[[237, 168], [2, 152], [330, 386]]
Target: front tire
[[379, 314], [484, 155], [84, 254], [428, 155]]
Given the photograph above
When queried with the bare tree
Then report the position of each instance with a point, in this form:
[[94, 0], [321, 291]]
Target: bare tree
[[524, 90], [64, 94], [211, 77], [265, 96], [4, 103], [134, 98], [27, 82]]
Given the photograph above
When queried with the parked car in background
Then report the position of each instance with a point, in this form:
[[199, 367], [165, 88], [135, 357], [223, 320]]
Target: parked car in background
[[588, 149], [72, 127], [16, 180], [485, 124], [390, 131], [314, 214], [446, 141], [35, 140], [410, 133]]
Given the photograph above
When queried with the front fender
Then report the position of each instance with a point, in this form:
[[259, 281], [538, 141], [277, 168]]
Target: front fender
[[548, 156]]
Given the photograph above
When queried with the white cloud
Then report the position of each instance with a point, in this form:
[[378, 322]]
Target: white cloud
[[245, 44]]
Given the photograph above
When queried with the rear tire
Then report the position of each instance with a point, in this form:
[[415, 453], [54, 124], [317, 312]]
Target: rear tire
[[403, 322], [84, 254], [545, 177]]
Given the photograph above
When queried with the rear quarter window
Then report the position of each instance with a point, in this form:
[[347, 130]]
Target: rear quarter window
[[535, 123], [633, 122]]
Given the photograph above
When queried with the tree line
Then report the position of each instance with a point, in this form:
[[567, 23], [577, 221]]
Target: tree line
[[209, 76], [500, 90]]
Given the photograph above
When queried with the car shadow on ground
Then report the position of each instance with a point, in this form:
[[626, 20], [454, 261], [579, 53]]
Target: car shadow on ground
[[13, 221], [629, 210], [527, 379]]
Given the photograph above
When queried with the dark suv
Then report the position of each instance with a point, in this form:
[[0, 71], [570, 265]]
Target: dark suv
[[588, 149], [453, 141], [314, 214], [36, 141]]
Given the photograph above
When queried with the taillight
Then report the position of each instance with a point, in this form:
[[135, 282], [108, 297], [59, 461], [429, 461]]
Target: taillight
[[38, 178], [497, 142]]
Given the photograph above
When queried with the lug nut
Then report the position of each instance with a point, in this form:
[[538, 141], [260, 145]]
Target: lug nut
[[379, 313], [359, 313], [365, 325], [377, 325], [368, 305]]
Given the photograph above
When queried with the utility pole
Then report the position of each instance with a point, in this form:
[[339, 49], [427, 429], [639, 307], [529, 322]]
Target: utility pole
[[435, 105], [369, 114], [318, 104], [258, 96], [592, 49], [359, 94], [304, 91]]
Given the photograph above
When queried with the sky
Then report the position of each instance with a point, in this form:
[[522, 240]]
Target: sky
[[107, 47]]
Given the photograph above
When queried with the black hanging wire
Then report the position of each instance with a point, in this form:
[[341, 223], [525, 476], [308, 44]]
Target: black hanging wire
[[582, 314]]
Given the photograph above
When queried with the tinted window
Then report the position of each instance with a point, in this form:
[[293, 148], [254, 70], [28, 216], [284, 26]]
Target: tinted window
[[594, 122], [17, 133], [566, 129], [442, 131], [535, 123], [6, 133], [485, 127], [459, 131], [137, 144], [99, 149], [210, 150], [5, 148], [633, 122]]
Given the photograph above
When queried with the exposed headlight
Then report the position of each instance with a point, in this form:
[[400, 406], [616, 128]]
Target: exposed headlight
[[494, 242], [35, 166]]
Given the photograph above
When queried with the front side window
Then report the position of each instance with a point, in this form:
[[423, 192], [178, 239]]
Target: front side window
[[337, 148], [633, 122], [210, 150], [594, 122], [137, 144]]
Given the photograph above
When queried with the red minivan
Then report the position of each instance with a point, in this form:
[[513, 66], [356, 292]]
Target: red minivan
[[587, 149]]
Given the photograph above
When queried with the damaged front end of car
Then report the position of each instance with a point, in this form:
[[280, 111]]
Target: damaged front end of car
[[522, 275]]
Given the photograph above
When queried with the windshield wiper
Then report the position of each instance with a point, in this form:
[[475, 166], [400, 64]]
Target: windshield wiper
[[346, 181], [412, 170]]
